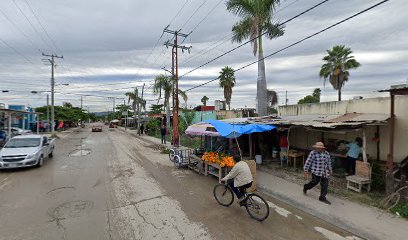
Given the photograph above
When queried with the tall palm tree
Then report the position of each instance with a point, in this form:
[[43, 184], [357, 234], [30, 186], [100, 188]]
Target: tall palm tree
[[227, 81], [204, 100], [338, 62], [163, 84], [137, 104], [256, 19]]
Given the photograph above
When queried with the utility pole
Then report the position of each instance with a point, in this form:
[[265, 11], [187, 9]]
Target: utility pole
[[48, 113], [174, 72], [52, 62], [81, 110], [286, 98]]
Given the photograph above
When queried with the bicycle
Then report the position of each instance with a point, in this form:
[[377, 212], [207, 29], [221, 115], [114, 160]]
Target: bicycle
[[255, 205], [172, 153]]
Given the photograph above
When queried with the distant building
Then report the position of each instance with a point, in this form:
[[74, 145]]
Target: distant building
[[220, 105]]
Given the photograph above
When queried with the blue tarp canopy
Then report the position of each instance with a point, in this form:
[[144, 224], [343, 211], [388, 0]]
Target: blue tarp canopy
[[235, 130]]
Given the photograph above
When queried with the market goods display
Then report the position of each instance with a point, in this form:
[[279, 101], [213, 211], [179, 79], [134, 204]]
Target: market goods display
[[219, 158]]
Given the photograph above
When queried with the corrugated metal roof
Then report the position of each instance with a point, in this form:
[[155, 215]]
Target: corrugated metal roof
[[325, 121]]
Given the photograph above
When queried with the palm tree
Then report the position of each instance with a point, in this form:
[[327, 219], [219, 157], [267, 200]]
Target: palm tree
[[256, 19], [163, 84], [272, 97], [338, 62], [227, 81], [137, 104], [184, 96], [204, 100]]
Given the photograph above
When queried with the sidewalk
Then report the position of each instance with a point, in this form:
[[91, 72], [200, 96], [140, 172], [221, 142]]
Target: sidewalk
[[363, 221], [367, 222]]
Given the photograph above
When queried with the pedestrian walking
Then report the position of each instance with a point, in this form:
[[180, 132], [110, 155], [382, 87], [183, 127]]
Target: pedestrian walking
[[353, 152], [319, 164], [141, 130], [163, 132]]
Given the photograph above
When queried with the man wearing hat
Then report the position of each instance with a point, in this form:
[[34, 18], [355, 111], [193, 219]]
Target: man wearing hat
[[319, 164]]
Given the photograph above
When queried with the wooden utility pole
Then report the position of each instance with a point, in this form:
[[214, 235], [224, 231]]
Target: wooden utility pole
[[174, 72], [52, 62]]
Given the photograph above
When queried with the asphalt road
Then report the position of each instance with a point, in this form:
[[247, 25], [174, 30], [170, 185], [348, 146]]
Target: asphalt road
[[112, 185]]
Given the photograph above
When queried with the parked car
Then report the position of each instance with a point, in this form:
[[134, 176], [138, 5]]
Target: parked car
[[26, 151], [97, 127], [18, 131]]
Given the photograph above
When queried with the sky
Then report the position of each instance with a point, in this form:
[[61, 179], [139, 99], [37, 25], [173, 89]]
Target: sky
[[111, 47]]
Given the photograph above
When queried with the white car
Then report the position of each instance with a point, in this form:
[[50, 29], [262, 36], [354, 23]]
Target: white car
[[18, 131], [26, 151]]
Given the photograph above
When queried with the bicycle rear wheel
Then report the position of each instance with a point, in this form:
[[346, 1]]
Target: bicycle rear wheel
[[223, 194], [257, 207]]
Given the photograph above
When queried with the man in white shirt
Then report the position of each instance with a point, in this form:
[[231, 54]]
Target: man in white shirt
[[242, 179]]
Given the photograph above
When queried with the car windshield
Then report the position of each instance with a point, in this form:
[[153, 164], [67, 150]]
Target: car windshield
[[23, 142]]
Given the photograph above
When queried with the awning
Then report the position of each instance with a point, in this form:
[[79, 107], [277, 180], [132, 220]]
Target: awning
[[202, 129], [235, 130]]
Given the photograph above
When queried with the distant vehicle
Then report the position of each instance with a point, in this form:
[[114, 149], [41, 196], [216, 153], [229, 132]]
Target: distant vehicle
[[97, 127], [18, 131], [26, 151]]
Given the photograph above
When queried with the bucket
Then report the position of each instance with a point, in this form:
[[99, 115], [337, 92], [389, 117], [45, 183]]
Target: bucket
[[258, 159], [274, 154]]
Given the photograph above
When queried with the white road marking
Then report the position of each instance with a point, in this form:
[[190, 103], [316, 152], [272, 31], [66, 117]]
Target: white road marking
[[279, 210], [3, 185], [299, 217], [334, 236], [4, 180]]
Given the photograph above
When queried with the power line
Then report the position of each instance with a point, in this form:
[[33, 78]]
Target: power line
[[296, 43], [43, 28], [194, 13], [21, 31], [225, 39], [31, 24], [205, 17], [16, 51], [179, 11], [252, 39]]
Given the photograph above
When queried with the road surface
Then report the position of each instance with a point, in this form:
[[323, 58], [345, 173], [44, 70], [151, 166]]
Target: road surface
[[112, 185]]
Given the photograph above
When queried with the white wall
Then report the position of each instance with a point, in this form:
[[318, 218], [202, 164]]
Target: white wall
[[369, 105]]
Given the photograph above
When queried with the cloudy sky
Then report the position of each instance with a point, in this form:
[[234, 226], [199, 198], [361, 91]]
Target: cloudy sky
[[110, 47]]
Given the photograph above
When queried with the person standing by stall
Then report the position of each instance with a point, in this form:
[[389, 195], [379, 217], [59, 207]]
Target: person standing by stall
[[163, 132], [283, 145], [353, 152], [319, 164]]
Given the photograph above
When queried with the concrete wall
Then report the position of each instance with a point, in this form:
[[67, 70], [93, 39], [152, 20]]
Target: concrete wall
[[369, 105], [227, 114]]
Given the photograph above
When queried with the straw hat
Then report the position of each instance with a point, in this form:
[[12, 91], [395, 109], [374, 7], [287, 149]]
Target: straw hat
[[319, 145]]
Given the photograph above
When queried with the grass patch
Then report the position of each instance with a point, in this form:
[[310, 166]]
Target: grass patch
[[401, 209]]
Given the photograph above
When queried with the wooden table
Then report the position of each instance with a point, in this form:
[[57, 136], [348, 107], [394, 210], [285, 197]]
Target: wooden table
[[220, 173], [294, 155]]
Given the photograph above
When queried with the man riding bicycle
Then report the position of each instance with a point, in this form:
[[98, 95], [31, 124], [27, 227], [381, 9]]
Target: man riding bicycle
[[241, 179]]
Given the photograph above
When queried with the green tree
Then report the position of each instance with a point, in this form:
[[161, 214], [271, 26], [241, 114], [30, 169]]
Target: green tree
[[314, 98], [162, 84], [227, 82], [123, 108], [156, 108], [338, 62], [256, 19], [204, 100], [186, 119], [184, 96], [67, 104], [137, 104]]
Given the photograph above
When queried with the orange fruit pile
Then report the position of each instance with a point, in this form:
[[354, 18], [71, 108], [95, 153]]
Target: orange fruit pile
[[218, 158]]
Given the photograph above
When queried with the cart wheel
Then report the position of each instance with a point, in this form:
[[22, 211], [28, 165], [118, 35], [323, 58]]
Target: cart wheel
[[177, 161]]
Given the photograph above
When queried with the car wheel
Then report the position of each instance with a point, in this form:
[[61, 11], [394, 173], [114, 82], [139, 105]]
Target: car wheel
[[51, 154], [40, 161]]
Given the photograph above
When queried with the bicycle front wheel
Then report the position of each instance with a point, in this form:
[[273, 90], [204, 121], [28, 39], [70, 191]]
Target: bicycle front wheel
[[223, 194], [257, 207]]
